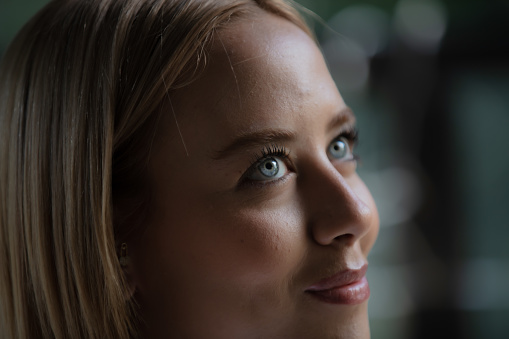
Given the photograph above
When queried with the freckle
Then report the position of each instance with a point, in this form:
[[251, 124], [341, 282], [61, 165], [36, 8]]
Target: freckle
[[242, 240]]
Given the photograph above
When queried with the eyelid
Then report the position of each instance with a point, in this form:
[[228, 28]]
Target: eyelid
[[268, 151], [351, 134]]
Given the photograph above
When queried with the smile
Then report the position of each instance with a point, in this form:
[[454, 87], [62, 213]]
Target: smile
[[349, 287]]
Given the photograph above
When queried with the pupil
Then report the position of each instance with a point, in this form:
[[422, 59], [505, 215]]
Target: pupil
[[268, 165]]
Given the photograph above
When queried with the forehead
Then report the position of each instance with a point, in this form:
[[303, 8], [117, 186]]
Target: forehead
[[265, 56], [262, 69]]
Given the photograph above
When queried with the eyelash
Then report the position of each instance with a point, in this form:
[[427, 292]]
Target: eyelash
[[352, 135], [271, 151], [274, 150]]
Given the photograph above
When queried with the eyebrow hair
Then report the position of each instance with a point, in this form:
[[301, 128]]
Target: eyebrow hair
[[345, 115], [258, 138], [274, 136]]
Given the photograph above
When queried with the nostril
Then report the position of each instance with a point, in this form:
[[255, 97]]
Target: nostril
[[345, 237]]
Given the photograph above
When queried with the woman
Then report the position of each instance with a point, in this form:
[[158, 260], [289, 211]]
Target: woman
[[178, 169]]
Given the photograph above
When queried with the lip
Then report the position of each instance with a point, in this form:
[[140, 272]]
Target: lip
[[348, 287]]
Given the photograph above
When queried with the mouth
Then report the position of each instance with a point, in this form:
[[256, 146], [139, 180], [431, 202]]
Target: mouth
[[348, 287]]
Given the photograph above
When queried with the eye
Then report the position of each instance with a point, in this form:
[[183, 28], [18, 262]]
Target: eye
[[340, 149], [267, 169]]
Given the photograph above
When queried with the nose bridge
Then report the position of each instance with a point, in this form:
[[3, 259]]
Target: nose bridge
[[335, 209]]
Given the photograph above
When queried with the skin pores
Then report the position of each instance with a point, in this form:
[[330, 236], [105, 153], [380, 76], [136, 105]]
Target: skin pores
[[231, 249]]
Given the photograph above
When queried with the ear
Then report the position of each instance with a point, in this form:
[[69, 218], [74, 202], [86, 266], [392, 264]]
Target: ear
[[128, 269]]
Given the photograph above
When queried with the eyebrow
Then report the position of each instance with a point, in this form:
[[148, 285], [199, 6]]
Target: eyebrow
[[276, 136], [258, 138], [344, 116]]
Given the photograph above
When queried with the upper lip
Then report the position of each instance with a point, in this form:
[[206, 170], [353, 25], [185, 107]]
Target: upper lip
[[342, 278]]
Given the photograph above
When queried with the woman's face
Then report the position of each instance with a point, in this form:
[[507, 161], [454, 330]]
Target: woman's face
[[260, 226]]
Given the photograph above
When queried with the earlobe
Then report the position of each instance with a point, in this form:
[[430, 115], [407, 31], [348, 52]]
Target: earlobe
[[128, 270], [124, 257]]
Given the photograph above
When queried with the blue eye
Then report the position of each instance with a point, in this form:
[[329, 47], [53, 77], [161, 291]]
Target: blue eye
[[267, 169], [339, 149]]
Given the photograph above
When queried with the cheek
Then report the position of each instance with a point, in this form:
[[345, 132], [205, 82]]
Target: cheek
[[253, 245], [246, 247]]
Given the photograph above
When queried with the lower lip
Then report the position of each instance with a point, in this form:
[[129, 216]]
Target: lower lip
[[352, 294]]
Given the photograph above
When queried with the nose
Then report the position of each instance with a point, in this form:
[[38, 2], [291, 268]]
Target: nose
[[336, 212]]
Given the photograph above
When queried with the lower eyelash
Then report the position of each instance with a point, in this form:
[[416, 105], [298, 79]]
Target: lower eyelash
[[266, 152], [264, 184]]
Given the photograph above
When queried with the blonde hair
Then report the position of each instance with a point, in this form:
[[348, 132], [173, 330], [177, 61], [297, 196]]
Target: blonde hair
[[80, 92]]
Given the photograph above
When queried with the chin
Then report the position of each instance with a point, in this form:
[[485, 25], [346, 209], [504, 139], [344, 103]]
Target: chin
[[343, 322]]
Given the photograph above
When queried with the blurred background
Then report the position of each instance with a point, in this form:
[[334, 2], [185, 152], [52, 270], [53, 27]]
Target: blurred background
[[429, 83]]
